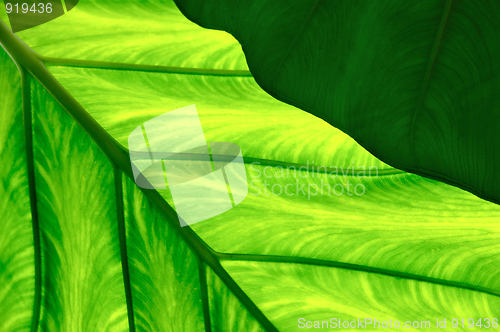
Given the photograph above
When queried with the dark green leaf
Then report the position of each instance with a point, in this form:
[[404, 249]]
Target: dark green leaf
[[414, 82]]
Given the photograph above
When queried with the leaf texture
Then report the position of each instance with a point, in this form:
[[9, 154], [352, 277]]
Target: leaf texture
[[321, 293], [163, 269], [401, 222], [134, 32], [220, 298], [413, 82], [17, 269]]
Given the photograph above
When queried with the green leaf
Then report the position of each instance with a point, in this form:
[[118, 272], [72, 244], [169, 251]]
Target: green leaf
[[316, 293], [114, 257], [163, 269], [134, 32], [4, 16], [231, 109], [413, 82], [403, 222], [220, 299], [17, 287]]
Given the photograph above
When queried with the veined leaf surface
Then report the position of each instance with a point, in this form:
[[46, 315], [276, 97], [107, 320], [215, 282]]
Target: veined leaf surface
[[414, 82], [82, 281], [402, 222], [114, 257], [17, 259]]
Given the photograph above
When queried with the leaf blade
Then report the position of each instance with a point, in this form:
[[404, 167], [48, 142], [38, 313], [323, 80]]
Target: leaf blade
[[321, 293], [82, 283], [163, 269], [132, 32], [365, 68]]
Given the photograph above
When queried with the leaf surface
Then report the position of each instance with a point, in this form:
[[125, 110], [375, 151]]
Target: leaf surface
[[163, 269], [320, 293], [83, 287], [17, 287], [220, 299], [114, 256], [402, 222]]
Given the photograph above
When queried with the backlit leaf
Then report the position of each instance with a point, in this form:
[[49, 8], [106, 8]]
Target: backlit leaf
[[414, 82]]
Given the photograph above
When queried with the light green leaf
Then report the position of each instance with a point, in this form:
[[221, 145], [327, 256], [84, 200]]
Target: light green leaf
[[4, 17], [16, 235], [414, 82], [163, 269], [318, 293], [220, 299], [134, 32], [232, 109], [114, 256], [83, 288]]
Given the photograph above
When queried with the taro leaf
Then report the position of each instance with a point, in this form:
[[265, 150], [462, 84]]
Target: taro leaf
[[414, 82], [27, 14], [110, 256]]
